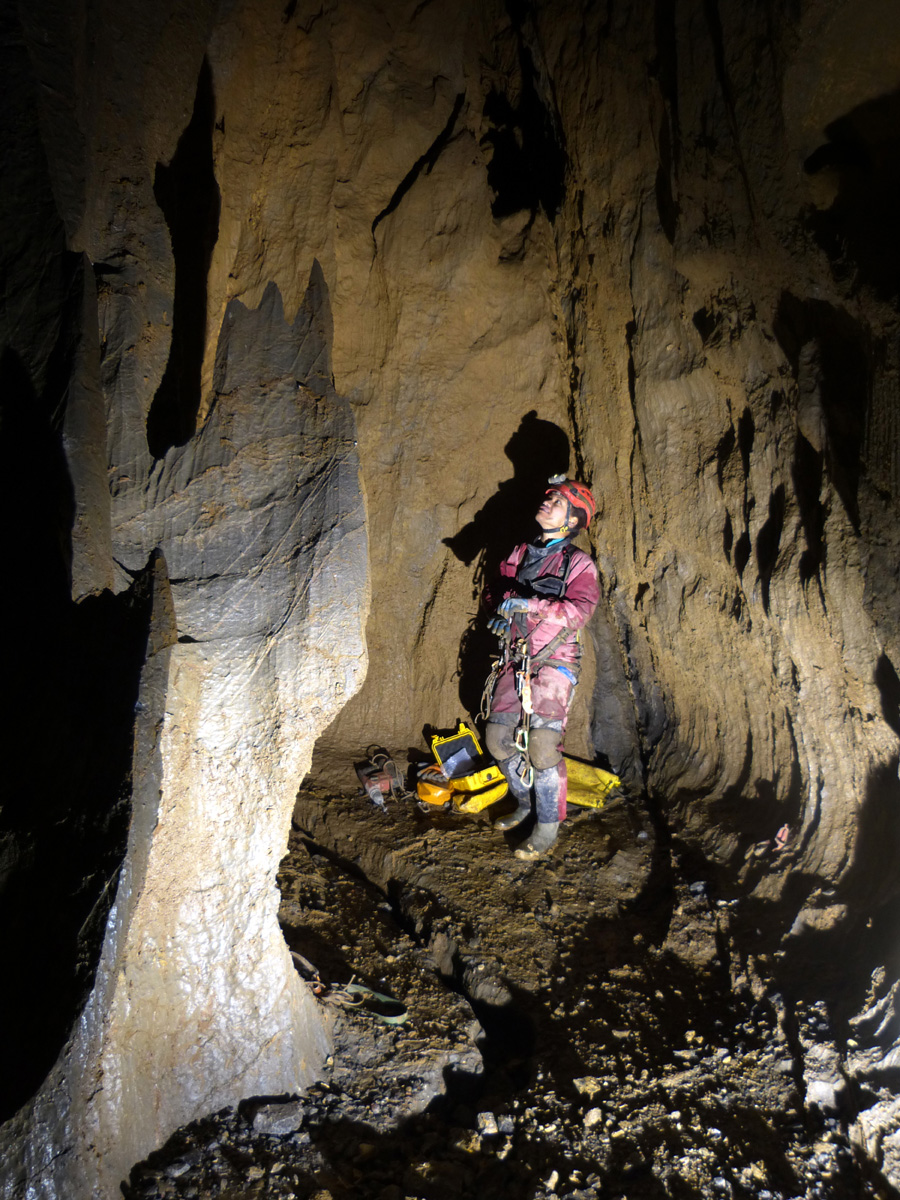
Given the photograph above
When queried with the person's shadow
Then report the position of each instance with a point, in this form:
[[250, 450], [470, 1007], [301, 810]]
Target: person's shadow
[[537, 450]]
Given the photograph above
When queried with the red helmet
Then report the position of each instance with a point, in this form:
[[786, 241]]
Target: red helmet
[[578, 495]]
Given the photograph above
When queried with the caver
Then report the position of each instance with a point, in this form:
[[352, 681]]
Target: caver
[[546, 593]]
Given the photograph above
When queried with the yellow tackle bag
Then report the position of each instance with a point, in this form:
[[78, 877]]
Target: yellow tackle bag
[[589, 787]]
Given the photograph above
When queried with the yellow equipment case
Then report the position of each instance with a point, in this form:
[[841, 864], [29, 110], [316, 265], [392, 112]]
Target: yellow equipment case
[[462, 776]]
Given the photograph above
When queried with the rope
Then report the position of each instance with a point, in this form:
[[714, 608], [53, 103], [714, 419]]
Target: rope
[[350, 995], [490, 683]]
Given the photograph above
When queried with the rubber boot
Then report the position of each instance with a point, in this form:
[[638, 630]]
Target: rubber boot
[[518, 790], [516, 817], [547, 791], [543, 836]]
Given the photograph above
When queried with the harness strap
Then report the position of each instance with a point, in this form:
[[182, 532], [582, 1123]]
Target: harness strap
[[546, 651]]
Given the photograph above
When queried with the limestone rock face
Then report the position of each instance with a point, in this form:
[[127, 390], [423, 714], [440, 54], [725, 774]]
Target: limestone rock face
[[650, 245], [250, 513], [260, 525], [662, 283]]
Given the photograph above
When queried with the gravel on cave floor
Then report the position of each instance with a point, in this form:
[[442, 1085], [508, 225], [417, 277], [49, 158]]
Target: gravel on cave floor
[[576, 1027]]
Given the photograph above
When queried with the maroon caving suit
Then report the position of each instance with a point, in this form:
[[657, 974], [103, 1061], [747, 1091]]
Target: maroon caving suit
[[553, 683]]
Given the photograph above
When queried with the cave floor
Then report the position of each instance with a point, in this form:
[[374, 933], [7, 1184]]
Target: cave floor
[[573, 1028]]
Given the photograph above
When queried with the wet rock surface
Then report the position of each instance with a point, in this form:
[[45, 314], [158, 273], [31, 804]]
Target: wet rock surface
[[576, 1027]]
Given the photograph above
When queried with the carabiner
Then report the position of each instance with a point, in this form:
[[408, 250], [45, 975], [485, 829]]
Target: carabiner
[[525, 771]]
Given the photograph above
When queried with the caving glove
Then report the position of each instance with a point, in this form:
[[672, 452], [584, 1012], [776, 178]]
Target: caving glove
[[515, 604], [499, 626]]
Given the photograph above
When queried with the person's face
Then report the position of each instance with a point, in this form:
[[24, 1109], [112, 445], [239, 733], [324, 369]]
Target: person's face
[[552, 513]]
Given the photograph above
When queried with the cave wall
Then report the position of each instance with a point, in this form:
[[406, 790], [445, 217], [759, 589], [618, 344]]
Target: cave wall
[[674, 197], [273, 254], [739, 361], [202, 554]]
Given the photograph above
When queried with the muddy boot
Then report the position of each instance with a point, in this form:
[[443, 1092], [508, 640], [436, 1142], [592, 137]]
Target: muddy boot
[[542, 838], [516, 817], [518, 791]]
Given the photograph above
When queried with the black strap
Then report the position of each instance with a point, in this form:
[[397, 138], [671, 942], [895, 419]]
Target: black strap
[[538, 660], [544, 653]]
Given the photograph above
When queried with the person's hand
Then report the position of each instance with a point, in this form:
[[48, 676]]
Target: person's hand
[[515, 604], [499, 626]]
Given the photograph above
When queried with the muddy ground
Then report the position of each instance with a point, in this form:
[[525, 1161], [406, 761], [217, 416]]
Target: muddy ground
[[581, 1026]]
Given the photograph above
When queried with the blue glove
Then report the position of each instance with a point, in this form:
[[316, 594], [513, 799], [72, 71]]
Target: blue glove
[[515, 604], [499, 626]]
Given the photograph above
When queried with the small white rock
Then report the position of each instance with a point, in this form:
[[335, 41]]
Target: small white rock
[[487, 1124]]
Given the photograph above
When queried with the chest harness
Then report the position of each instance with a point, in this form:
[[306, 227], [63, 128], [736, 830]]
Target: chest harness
[[516, 650]]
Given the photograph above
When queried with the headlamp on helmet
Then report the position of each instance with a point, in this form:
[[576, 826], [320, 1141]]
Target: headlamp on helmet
[[577, 495]]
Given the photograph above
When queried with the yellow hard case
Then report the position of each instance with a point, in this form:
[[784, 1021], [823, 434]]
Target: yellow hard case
[[470, 790]]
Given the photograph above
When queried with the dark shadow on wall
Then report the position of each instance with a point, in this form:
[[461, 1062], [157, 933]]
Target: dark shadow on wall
[[751, 812], [835, 959], [859, 231], [70, 676], [187, 192], [806, 476], [537, 450], [768, 543], [829, 354], [528, 166], [874, 877], [888, 684], [624, 704]]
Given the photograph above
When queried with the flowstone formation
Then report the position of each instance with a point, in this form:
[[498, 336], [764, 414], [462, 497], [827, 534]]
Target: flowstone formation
[[263, 260], [230, 544]]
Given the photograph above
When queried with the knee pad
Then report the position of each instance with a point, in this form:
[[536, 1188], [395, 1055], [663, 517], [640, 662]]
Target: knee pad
[[500, 741], [543, 748]]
